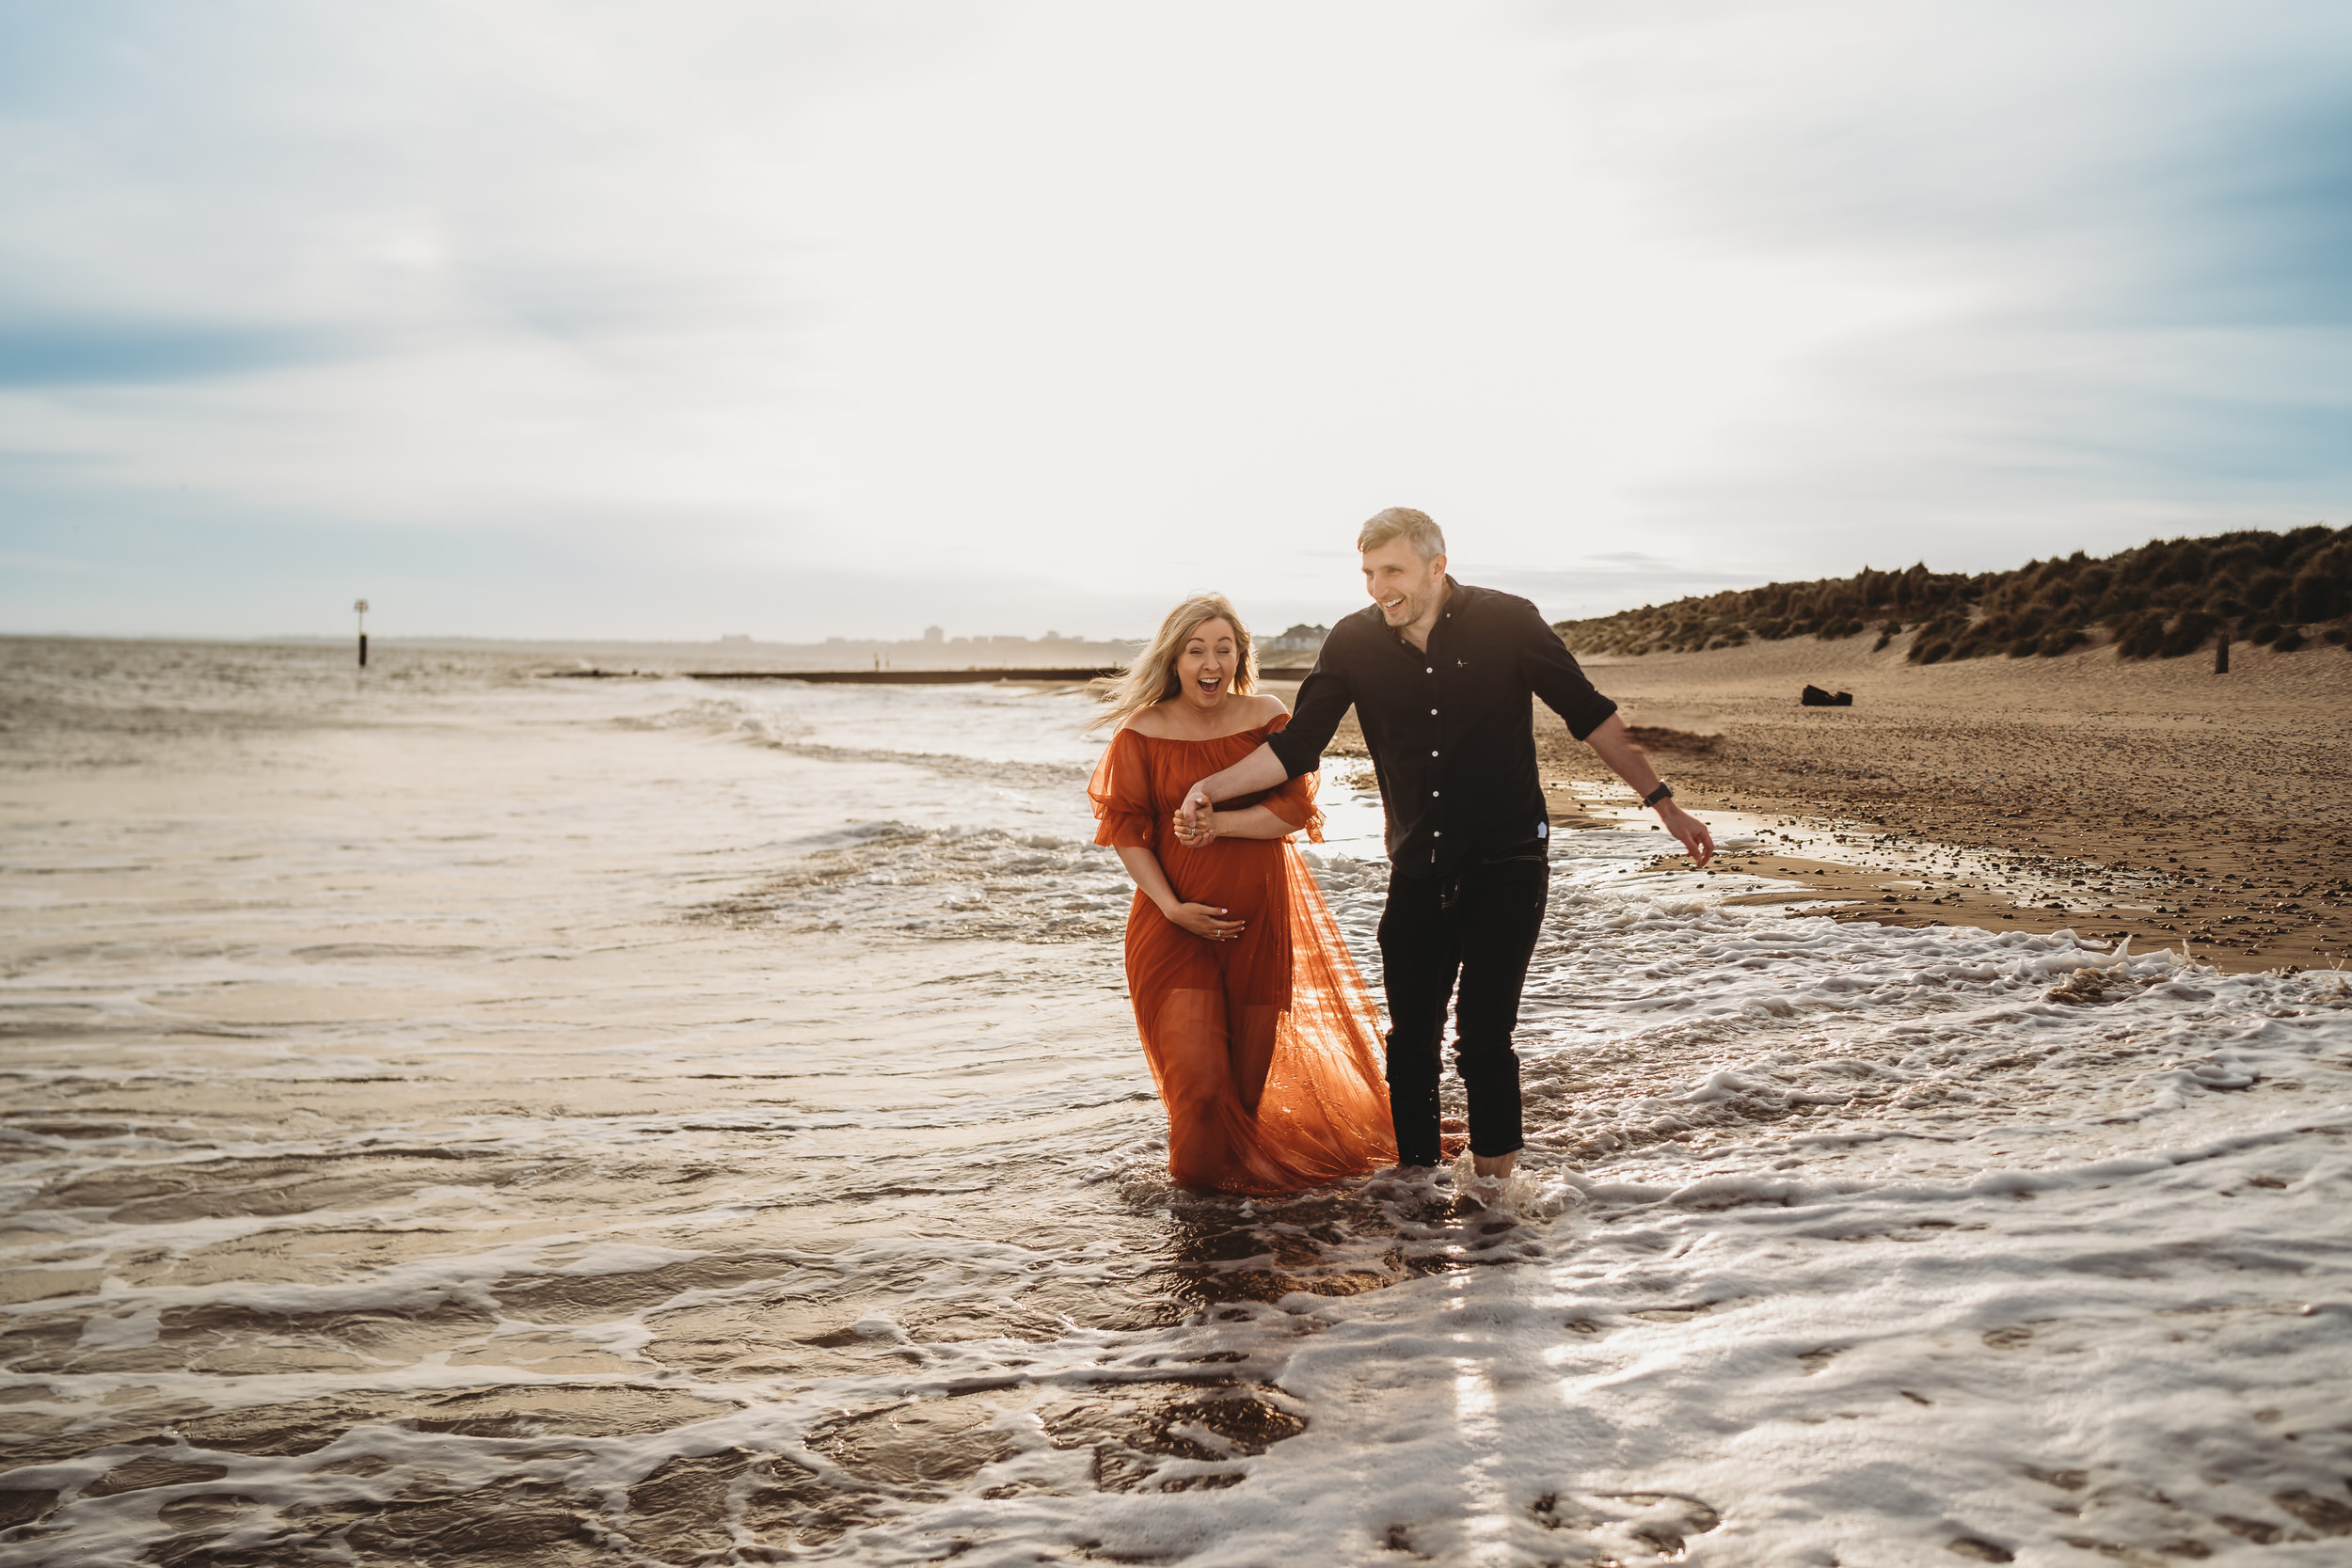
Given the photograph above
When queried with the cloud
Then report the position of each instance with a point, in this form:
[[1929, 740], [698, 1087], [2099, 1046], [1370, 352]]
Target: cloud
[[117, 352], [1605, 583], [723, 296], [2110, 239]]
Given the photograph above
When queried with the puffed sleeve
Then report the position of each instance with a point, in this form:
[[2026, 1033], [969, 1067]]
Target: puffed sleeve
[[1121, 792], [1294, 802]]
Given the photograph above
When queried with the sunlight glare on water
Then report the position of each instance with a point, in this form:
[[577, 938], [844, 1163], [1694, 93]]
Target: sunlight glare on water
[[460, 1114]]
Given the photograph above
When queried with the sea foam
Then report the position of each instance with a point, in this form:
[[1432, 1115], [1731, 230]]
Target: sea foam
[[700, 1126]]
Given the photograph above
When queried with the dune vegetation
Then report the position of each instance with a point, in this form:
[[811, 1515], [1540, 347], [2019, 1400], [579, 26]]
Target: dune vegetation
[[2162, 600]]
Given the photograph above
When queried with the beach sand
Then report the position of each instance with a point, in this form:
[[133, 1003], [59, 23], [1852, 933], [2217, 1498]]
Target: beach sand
[[2154, 800]]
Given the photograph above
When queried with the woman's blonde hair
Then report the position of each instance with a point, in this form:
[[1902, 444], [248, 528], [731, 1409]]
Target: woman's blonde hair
[[1151, 676]]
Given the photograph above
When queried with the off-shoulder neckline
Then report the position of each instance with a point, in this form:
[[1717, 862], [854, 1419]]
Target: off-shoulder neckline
[[1183, 740]]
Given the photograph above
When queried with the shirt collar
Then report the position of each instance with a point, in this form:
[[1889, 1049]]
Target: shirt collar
[[1456, 596]]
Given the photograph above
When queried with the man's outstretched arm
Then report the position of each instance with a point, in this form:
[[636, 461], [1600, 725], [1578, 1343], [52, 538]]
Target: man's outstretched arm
[[1625, 759]]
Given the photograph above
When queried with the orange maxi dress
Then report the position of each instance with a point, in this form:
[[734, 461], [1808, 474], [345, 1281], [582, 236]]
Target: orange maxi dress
[[1266, 1049]]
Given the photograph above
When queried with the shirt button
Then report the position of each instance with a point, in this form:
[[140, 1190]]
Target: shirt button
[[1437, 832], [1431, 671], [1432, 753], [1433, 795], [1433, 713]]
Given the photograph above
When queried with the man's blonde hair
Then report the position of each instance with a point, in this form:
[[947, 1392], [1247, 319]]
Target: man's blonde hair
[[1151, 678], [1401, 522]]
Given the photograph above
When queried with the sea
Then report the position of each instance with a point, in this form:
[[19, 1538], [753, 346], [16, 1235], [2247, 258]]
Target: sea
[[467, 1112]]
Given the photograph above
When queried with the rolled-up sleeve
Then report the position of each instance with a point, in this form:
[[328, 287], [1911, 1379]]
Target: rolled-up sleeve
[[1323, 698], [1553, 673]]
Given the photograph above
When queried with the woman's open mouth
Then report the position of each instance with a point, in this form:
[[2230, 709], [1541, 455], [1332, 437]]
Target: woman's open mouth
[[1208, 684]]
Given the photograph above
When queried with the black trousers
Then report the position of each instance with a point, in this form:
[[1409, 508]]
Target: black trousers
[[1478, 927]]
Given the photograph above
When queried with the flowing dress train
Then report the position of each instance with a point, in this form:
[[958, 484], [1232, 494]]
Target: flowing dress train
[[1266, 1049]]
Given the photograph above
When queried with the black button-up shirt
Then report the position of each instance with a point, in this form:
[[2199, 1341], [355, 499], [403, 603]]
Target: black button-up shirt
[[1450, 731]]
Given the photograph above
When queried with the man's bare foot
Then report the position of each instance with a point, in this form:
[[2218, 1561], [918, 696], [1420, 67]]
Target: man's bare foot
[[1494, 1166]]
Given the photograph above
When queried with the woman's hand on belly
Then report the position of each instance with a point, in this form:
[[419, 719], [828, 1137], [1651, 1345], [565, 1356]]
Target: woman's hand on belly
[[1204, 921]]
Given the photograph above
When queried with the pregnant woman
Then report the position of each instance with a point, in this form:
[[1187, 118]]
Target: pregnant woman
[[1260, 1032]]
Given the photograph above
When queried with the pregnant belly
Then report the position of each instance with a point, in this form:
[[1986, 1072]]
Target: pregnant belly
[[1239, 875]]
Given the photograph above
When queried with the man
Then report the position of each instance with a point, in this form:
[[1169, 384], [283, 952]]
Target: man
[[1440, 676]]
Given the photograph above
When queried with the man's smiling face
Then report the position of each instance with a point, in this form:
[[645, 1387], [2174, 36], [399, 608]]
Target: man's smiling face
[[1404, 585]]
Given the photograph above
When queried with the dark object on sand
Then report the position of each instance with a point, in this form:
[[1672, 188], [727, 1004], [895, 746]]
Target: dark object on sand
[[1655, 737], [1815, 697], [2222, 655]]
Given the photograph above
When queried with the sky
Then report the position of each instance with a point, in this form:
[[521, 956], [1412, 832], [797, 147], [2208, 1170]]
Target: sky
[[622, 319]]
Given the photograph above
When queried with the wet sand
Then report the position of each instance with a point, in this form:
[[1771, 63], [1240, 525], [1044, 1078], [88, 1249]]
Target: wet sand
[[458, 1116], [2151, 800], [420, 1094]]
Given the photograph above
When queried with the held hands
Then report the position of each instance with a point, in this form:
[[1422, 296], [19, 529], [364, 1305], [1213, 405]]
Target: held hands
[[1696, 841], [1195, 819], [1204, 921], [1195, 827]]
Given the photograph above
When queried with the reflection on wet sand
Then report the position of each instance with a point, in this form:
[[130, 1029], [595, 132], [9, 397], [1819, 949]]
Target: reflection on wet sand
[[423, 1151], [527, 1466], [467, 1121]]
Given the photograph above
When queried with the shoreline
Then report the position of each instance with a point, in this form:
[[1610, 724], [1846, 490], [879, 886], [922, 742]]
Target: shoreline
[[629, 1122], [2155, 800]]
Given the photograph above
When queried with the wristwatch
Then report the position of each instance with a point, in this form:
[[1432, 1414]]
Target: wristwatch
[[1663, 792]]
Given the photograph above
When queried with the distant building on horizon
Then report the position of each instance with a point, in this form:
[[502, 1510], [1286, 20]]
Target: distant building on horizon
[[1300, 639]]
